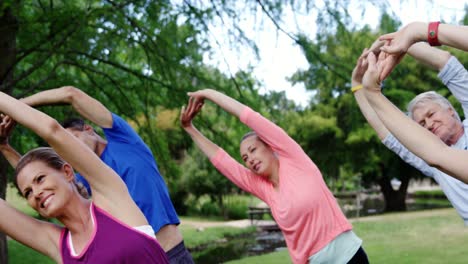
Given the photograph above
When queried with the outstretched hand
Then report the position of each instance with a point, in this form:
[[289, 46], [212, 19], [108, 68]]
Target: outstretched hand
[[359, 69], [6, 127], [378, 48], [188, 113], [371, 79], [402, 39]]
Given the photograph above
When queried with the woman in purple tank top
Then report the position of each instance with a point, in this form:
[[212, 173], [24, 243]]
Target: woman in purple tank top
[[105, 229]]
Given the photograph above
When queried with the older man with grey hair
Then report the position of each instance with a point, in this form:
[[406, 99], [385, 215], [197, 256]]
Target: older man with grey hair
[[435, 113]]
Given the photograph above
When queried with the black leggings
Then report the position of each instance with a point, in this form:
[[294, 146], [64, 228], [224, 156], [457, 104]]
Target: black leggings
[[359, 258]]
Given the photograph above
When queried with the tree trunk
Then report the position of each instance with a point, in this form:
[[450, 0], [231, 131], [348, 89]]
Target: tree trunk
[[395, 200], [7, 57], [3, 184]]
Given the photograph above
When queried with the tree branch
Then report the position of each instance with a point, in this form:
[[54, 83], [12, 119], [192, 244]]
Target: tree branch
[[39, 83], [87, 70], [118, 66], [191, 7], [41, 62]]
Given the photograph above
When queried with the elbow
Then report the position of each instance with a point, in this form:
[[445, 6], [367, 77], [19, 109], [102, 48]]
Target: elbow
[[52, 130], [445, 57], [72, 94]]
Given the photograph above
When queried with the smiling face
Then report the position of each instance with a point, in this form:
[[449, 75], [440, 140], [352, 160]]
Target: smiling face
[[45, 180], [46, 189], [441, 121], [257, 156]]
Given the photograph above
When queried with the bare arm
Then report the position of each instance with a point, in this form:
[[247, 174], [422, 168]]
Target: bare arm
[[109, 191], [433, 57], [414, 137], [366, 109], [186, 116], [230, 168], [39, 235], [6, 127], [84, 104], [450, 35], [421, 51], [227, 103]]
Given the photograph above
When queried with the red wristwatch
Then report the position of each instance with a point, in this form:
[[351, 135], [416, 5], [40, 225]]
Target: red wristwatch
[[432, 33]]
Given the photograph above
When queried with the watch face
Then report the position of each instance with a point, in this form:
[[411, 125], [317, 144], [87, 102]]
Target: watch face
[[432, 33]]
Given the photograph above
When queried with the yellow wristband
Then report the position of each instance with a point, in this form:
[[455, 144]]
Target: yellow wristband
[[357, 87]]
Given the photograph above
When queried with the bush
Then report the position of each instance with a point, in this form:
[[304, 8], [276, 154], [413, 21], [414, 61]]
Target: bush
[[434, 194], [235, 206], [209, 208]]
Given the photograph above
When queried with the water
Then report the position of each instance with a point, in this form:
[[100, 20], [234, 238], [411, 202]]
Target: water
[[257, 243]]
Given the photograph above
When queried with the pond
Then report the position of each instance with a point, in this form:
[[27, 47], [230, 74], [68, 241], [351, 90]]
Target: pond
[[256, 243]]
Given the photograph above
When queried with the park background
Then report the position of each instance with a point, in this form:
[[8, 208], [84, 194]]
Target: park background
[[141, 57]]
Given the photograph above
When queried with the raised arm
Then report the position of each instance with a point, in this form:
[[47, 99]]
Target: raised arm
[[227, 103], [414, 137], [39, 235], [109, 191], [366, 109], [84, 104], [186, 116], [229, 167], [6, 127], [450, 35], [433, 57]]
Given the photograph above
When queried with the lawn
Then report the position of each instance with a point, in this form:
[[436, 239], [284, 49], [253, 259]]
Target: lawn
[[19, 254], [431, 236]]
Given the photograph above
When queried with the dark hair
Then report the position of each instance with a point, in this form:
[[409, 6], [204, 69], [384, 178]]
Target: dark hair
[[74, 123], [51, 159]]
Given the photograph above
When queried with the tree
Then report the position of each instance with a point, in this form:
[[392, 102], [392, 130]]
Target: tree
[[7, 53]]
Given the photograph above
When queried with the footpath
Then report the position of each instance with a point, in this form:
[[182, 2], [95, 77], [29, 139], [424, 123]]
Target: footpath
[[246, 222]]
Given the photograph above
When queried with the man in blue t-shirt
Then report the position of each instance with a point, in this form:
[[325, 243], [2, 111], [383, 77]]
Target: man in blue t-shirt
[[126, 153]]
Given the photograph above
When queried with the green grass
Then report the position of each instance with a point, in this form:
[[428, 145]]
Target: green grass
[[432, 236], [20, 254], [18, 202], [194, 238], [280, 257]]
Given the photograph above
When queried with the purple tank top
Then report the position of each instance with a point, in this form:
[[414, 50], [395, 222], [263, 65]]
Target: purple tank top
[[113, 242]]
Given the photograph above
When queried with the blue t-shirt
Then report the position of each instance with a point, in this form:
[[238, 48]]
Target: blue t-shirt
[[128, 155]]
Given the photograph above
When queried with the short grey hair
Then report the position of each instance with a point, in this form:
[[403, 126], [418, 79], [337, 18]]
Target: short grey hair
[[433, 97]]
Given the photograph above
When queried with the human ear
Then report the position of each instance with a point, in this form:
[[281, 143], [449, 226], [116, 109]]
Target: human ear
[[69, 173], [88, 128]]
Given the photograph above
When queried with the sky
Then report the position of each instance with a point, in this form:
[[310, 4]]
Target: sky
[[280, 57]]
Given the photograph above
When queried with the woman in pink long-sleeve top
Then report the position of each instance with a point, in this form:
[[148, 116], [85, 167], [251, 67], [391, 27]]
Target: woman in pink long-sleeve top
[[281, 174]]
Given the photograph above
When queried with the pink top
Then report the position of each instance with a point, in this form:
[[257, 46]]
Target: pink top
[[113, 242], [303, 207]]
